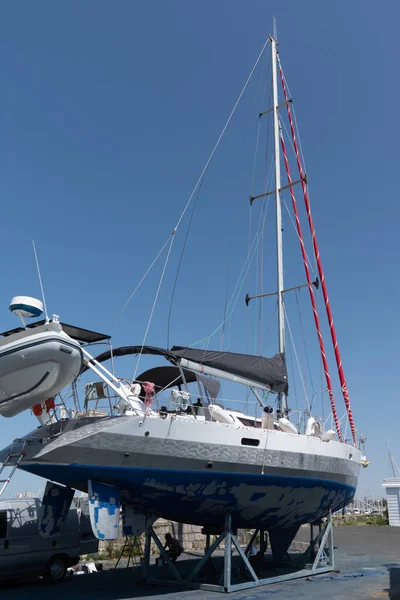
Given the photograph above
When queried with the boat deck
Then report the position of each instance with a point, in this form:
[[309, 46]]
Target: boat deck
[[361, 556]]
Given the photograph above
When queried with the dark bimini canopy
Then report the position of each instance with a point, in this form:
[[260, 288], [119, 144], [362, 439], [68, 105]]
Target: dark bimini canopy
[[270, 372], [129, 350], [162, 377], [166, 377], [76, 333]]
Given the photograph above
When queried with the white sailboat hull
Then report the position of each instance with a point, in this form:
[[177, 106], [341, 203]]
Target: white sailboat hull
[[35, 365], [197, 471]]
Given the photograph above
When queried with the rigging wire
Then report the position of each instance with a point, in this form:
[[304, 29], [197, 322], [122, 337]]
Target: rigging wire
[[237, 289], [180, 262], [321, 370], [154, 305], [318, 303], [205, 168], [222, 134], [266, 78], [249, 233], [241, 278], [255, 168], [200, 180], [304, 186], [260, 302], [266, 210], [260, 286], [269, 328], [226, 300], [297, 130], [297, 295], [313, 265], [345, 429], [257, 282], [143, 278], [269, 119], [298, 237], [229, 334], [309, 282], [243, 274], [297, 361], [252, 192], [253, 180], [244, 270], [40, 281], [294, 381]]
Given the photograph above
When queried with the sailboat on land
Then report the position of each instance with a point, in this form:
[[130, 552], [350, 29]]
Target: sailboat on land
[[199, 462]]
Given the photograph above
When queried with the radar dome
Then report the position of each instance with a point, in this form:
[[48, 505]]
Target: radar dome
[[24, 306]]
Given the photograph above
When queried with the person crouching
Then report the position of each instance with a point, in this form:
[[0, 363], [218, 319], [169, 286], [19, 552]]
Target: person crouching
[[174, 547]]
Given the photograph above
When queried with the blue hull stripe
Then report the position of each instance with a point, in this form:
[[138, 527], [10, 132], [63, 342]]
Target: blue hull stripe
[[205, 497]]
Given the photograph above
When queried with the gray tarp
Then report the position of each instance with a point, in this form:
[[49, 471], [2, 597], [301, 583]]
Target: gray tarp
[[268, 371]]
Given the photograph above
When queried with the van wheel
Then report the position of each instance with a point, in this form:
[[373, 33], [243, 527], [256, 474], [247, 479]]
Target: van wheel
[[56, 569]]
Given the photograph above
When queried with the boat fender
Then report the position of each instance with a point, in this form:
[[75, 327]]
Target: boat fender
[[130, 402], [50, 404], [221, 415], [42, 412], [313, 427], [37, 410], [364, 462], [328, 435], [135, 389], [268, 417], [287, 426]]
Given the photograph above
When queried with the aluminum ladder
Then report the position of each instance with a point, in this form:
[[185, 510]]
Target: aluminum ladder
[[134, 548], [12, 464]]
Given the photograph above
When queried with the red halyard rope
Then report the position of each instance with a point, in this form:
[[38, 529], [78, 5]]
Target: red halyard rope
[[312, 295], [319, 264]]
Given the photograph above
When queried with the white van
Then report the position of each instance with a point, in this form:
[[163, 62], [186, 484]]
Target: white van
[[23, 551]]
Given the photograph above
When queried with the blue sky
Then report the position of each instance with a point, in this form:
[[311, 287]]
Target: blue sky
[[108, 113]]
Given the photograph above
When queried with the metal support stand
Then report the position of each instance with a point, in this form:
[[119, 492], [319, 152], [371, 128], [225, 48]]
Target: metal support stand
[[151, 535], [324, 556], [318, 558]]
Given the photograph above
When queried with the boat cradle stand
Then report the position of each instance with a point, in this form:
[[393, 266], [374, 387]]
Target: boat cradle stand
[[318, 558]]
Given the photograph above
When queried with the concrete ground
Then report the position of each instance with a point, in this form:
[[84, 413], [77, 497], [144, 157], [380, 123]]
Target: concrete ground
[[362, 555]]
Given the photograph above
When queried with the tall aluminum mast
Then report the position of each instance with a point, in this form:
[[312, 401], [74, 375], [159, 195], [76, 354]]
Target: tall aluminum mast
[[279, 253]]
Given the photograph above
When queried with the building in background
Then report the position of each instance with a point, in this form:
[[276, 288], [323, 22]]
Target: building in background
[[392, 487]]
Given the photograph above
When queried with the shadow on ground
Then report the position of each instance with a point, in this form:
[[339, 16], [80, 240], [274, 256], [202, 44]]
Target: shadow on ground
[[361, 556]]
